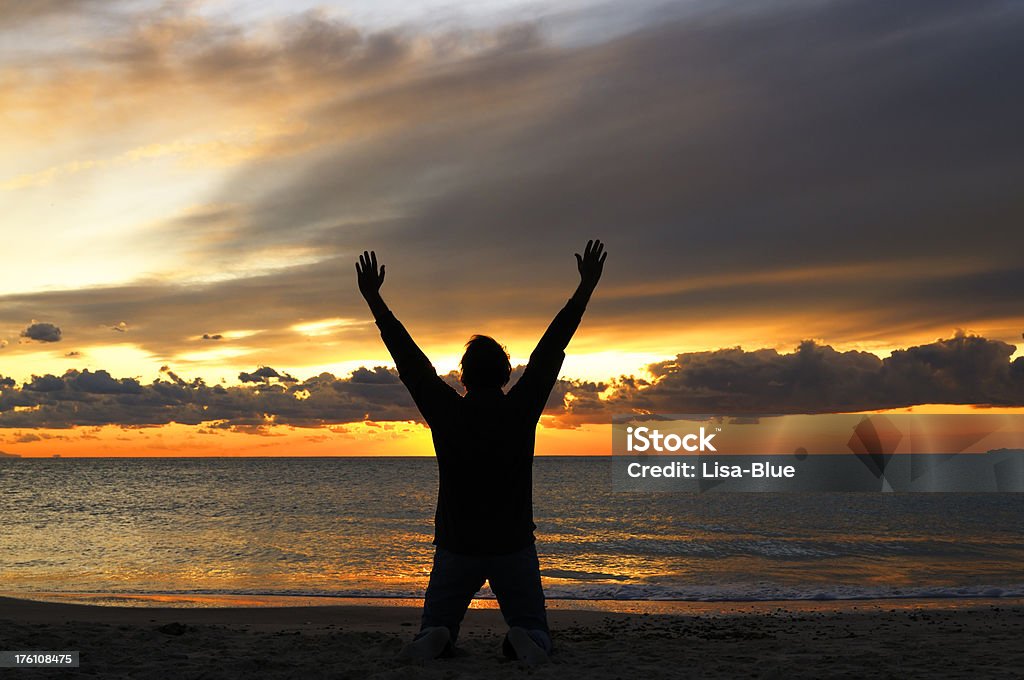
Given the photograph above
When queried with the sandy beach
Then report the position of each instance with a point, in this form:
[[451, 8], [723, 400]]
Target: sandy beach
[[771, 640]]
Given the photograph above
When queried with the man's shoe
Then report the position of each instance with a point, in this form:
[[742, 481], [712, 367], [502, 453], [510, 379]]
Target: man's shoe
[[429, 645], [526, 648]]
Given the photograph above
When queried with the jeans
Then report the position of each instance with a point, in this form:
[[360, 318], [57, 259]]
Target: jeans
[[514, 579]]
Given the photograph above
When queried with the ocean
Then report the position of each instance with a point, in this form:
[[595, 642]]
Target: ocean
[[362, 527]]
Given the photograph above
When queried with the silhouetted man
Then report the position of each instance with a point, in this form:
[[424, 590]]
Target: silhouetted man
[[484, 441]]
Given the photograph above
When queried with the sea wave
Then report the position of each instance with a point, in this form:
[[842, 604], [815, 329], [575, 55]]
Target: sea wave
[[639, 593]]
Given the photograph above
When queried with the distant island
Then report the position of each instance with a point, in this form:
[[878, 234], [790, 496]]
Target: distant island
[[4, 454]]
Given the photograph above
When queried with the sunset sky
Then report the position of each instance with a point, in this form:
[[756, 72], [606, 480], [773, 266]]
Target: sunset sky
[[808, 207]]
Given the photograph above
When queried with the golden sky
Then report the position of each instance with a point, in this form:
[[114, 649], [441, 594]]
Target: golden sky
[[185, 187]]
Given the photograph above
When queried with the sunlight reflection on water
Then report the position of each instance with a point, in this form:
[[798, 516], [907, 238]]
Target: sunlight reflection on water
[[362, 527]]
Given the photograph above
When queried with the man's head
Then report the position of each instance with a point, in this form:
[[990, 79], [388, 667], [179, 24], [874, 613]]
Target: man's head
[[485, 364]]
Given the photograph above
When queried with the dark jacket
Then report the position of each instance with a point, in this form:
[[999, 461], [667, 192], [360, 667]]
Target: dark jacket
[[484, 440]]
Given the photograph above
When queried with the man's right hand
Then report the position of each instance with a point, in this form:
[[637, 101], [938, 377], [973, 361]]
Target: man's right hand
[[369, 278]]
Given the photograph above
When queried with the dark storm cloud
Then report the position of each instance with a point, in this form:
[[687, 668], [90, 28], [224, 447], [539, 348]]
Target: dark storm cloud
[[42, 332], [96, 398], [101, 382], [753, 141], [764, 139], [379, 375], [44, 383], [813, 379], [816, 378], [265, 374]]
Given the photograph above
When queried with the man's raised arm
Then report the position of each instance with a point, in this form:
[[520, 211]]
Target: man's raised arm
[[591, 264], [413, 365], [540, 375]]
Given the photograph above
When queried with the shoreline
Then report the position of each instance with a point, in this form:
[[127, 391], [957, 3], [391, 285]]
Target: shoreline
[[919, 639], [185, 601]]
